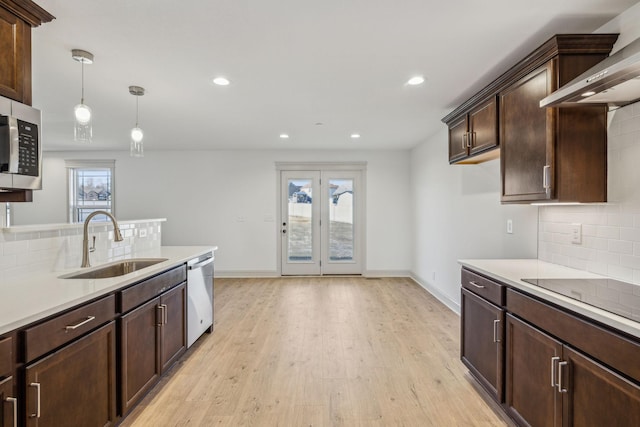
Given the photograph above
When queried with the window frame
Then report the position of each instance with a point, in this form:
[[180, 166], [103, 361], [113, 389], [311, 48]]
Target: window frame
[[87, 165]]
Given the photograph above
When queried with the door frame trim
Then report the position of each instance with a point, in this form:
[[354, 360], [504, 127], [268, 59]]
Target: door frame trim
[[321, 166]]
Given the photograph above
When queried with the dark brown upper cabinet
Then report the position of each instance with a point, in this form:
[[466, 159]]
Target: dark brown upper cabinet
[[17, 17], [546, 154], [474, 135]]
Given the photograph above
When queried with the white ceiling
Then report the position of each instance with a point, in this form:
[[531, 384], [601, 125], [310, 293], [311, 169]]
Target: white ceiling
[[292, 64]]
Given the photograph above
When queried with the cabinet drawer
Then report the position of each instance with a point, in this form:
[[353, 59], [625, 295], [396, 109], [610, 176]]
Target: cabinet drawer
[[487, 289], [6, 356], [46, 336], [612, 349], [150, 288]]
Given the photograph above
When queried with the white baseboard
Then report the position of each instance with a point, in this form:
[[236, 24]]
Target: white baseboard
[[451, 304], [387, 273], [246, 273]]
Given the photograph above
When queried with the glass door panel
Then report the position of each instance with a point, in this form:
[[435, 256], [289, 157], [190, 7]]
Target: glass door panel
[[300, 223], [342, 212], [341, 235]]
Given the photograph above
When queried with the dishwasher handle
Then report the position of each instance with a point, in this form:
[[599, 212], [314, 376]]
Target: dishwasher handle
[[200, 264]]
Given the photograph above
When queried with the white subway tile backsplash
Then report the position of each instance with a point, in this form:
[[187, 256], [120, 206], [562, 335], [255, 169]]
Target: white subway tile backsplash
[[630, 261], [24, 251], [621, 246]]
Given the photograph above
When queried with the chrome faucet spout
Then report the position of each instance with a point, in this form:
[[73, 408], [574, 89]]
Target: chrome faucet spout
[[117, 236]]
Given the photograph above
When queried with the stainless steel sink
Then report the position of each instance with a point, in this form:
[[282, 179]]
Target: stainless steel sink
[[114, 269]]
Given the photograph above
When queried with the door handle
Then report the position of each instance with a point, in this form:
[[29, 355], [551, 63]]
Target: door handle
[[496, 322], [561, 389], [37, 386], [553, 370], [165, 316], [14, 403]]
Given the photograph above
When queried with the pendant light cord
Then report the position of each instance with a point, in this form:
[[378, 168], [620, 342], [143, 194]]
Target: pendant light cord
[[137, 97], [82, 93]]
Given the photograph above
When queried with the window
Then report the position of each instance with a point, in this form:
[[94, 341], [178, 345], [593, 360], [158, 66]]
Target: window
[[90, 188]]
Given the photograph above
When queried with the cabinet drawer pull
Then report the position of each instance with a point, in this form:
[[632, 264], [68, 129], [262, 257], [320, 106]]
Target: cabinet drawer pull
[[77, 325], [14, 403], [561, 389], [496, 322], [553, 370], [476, 285], [37, 386]]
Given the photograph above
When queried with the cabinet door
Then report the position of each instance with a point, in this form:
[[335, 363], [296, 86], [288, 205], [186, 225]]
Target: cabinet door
[[174, 330], [458, 143], [74, 386], [597, 396], [139, 347], [15, 57], [8, 404], [481, 342], [526, 138], [483, 127], [531, 397]]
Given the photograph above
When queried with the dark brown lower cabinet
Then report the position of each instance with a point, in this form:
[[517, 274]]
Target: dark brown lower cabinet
[[550, 384], [8, 404], [152, 337], [75, 386], [531, 397], [481, 342]]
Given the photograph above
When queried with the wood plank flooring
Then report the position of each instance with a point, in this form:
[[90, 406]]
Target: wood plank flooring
[[321, 352]]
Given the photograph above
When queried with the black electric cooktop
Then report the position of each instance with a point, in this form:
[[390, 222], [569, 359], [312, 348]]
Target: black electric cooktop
[[616, 297]]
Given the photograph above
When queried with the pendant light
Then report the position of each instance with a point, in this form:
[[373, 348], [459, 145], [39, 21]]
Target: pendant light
[[82, 129], [137, 148]]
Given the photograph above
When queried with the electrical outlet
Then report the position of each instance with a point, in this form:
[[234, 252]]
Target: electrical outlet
[[509, 226], [576, 233]]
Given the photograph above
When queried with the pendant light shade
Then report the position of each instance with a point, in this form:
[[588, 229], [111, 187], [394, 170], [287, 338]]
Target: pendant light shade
[[82, 129], [137, 135]]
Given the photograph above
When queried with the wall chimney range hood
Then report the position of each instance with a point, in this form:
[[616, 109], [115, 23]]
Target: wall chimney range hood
[[615, 81]]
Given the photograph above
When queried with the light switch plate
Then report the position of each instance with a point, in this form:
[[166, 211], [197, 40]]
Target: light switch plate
[[576, 233], [509, 226]]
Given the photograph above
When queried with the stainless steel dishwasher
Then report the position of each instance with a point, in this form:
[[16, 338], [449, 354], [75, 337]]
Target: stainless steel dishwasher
[[199, 297]]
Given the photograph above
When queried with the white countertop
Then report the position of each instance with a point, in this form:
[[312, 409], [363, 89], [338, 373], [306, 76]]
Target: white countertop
[[29, 298], [510, 271]]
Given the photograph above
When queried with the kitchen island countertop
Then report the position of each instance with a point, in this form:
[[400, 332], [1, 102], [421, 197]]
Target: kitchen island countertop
[[511, 271], [32, 297]]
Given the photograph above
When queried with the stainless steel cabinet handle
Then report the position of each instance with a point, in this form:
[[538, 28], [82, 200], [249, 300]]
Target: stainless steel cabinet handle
[[37, 414], [472, 139], [161, 317], [546, 177], [554, 360], [464, 140], [77, 325], [14, 402], [561, 389], [476, 285], [165, 316], [495, 330]]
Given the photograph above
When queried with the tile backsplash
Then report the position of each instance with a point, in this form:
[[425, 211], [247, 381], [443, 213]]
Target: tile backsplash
[[29, 249], [610, 232]]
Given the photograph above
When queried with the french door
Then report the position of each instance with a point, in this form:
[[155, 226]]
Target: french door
[[321, 224]]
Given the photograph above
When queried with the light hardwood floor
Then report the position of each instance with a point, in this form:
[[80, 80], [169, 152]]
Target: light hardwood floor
[[321, 352]]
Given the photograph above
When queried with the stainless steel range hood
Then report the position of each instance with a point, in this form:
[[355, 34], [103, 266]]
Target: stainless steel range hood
[[615, 81]]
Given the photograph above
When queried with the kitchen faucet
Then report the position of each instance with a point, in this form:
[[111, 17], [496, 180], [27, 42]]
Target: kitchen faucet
[[117, 237]]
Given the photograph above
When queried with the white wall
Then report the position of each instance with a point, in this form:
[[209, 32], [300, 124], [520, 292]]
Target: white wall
[[203, 193], [458, 215]]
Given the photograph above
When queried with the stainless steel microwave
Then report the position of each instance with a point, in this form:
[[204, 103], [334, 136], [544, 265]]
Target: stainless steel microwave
[[20, 146]]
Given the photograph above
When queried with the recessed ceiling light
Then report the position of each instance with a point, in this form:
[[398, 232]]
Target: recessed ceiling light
[[221, 81], [414, 81], [284, 136], [355, 135]]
